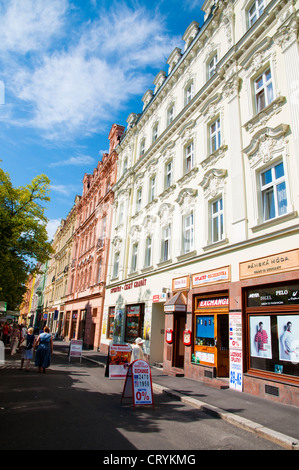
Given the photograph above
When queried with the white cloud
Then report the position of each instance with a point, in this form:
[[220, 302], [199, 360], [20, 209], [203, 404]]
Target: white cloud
[[29, 25], [52, 226], [65, 190], [79, 87], [76, 161]]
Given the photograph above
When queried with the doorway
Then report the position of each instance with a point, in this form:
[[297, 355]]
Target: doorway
[[179, 348]]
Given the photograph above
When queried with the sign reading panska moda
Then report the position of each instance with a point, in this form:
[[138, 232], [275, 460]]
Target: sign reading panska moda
[[282, 262], [211, 277]]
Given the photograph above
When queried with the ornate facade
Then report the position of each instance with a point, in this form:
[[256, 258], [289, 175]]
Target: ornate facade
[[206, 203], [88, 267]]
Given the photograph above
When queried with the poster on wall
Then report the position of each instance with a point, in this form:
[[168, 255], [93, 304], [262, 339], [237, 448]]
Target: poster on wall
[[236, 369], [288, 335], [260, 337]]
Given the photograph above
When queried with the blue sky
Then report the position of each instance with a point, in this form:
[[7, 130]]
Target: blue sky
[[70, 69]]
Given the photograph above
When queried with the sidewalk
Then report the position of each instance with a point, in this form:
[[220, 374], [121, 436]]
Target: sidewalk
[[271, 420]]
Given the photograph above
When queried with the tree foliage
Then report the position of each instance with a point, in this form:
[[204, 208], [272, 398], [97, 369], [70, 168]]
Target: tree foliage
[[23, 235]]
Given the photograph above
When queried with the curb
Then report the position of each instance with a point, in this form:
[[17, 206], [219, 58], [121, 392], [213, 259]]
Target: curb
[[283, 440]]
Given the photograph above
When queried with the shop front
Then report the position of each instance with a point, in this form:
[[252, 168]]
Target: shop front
[[197, 327], [133, 310]]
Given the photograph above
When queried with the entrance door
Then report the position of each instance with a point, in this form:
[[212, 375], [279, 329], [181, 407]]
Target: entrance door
[[179, 348], [222, 346]]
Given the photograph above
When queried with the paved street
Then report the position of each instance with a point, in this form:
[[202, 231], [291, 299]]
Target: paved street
[[75, 407]]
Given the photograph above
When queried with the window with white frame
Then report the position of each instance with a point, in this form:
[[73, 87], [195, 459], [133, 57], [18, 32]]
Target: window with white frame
[[255, 11], [125, 165], [155, 132], [263, 90], [148, 252], [152, 188], [138, 199], [116, 265], [134, 257], [165, 249], [189, 157], [188, 233], [170, 114], [142, 147], [273, 192], [189, 90], [217, 220], [215, 135], [212, 66], [168, 174]]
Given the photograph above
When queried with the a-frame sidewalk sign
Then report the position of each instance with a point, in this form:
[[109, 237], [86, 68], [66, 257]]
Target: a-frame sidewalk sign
[[138, 384]]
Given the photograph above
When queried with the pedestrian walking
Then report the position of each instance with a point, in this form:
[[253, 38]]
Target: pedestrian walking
[[26, 345], [14, 339], [44, 345], [137, 351]]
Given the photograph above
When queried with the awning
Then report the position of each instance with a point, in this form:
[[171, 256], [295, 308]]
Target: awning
[[177, 303]]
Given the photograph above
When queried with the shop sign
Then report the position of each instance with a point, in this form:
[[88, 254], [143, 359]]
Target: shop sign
[[187, 337], [138, 384], [283, 262], [169, 335], [211, 277], [236, 369], [271, 296], [213, 302], [129, 285], [180, 283], [175, 308], [159, 298]]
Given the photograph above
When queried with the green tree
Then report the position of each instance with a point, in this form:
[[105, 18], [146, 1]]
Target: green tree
[[23, 235]]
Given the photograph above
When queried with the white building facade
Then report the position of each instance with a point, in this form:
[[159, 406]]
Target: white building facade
[[204, 260]]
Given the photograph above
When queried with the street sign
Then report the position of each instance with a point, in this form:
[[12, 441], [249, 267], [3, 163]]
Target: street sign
[[138, 384]]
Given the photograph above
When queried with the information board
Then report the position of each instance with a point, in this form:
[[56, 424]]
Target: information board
[[138, 384], [76, 348]]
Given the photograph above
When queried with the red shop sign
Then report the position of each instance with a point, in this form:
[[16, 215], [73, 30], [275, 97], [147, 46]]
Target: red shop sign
[[187, 337]]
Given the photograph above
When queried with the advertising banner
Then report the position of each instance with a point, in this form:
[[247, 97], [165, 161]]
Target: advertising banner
[[119, 360], [138, 384]]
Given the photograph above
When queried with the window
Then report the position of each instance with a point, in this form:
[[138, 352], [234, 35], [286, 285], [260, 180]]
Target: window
[[168, 174], [263, 90], [148, 252], [134, 322], [273, 192], [111, 321], [188, 233], [189, 157], [99, 270], [217, 220], [256, 10], [134, 257], [155, 132], [170, 114], [142, 147], [152, 188], [189, 93], [215, 136], [212, 66], [138, 199], [125, 165], [116, 265], [166, 235]]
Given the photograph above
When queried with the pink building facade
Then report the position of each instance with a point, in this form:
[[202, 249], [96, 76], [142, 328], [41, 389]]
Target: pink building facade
[[86, 283]]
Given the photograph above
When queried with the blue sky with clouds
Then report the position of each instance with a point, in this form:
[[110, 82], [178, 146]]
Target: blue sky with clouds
[[70, 69]]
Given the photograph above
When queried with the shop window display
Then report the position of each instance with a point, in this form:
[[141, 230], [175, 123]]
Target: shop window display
[[273, 330], [134, 323]]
